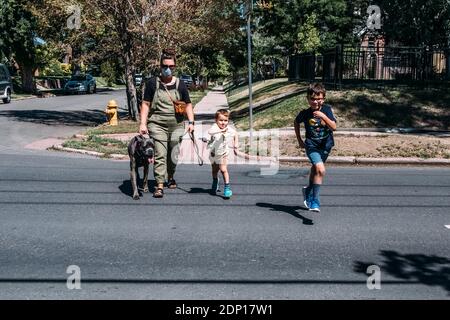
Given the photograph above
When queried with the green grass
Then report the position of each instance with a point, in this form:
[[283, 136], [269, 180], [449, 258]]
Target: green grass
[[124, 126], [101, 82], [281, 115], [364, 108], [196, 96], [261, 90], [21, 95], [98, 144], [392, 108]]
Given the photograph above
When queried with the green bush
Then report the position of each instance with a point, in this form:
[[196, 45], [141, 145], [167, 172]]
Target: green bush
[[108, 72]]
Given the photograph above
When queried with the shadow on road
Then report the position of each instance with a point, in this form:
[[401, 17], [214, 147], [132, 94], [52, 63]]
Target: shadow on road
[[68, 118], [197, 190], [292, 210], [429, 270], [126, 188]]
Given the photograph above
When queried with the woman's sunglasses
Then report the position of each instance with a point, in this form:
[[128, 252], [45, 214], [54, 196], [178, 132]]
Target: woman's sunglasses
[[165, 66]]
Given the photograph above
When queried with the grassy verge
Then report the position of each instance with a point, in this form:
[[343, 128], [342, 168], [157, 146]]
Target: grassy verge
[[125, 126], [366, 108], [102, 83], [18, 96], [279, 116], [392, 108], [98, 144], [262, 90], [196, 96]]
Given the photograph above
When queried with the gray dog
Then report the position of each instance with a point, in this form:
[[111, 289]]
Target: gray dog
[[141, 152]]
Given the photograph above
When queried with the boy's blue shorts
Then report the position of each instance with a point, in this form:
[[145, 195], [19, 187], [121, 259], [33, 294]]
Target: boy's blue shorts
[[317, 156]]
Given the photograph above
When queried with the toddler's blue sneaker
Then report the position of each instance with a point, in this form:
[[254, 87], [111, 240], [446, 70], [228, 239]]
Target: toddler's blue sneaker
[[227, 193], [215, 186], [315, 205], [306, 198]]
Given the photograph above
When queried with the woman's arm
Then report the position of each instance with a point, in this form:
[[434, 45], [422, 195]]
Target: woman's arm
[[145, 108], [190, 116]]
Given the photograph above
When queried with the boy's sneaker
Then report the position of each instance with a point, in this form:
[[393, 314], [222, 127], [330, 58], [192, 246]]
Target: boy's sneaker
[[215, 186], [315, 205], [227, 193], [306, 198]]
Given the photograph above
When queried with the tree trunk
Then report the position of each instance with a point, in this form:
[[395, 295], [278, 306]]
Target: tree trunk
[[26, 73], [133, 108]]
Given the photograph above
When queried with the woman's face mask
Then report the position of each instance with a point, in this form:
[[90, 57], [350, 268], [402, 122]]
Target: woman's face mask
[[166, 72], [167, 67]]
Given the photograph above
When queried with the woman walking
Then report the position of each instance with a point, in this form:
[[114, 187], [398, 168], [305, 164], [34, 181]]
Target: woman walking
[[165, 124]]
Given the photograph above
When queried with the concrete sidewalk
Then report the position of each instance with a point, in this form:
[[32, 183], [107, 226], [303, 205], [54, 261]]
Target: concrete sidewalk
[[204, 113]]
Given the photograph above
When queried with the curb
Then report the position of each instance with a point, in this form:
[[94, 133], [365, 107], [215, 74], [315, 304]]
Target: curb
[[113, 156], [377, 131], [372, 161], [24, 98], [352, 160], [286, 159]]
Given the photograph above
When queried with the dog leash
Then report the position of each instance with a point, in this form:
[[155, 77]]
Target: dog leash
[[192, 137]]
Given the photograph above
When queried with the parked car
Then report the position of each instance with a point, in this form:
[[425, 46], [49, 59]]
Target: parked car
[[187, 79], [81, 83], [6, 87]]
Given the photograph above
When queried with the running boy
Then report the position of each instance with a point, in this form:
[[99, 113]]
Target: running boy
[[319, 123], [221, 136]]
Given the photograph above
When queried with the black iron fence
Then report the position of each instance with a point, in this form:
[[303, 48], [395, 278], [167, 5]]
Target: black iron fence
[[371, 64]]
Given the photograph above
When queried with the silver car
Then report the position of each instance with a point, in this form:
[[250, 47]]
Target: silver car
[[6, 88], [81, 83]]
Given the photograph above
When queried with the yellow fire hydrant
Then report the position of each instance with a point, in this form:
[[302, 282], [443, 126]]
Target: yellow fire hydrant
[[111, 113]]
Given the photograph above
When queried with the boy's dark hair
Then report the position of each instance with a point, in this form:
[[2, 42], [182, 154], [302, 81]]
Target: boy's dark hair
[[168, 53], [223, 112], [316, 89]]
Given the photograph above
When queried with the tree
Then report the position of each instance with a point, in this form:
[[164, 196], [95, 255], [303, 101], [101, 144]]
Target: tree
[[136, 31], [17, 38], [308, 35], [292, 22]]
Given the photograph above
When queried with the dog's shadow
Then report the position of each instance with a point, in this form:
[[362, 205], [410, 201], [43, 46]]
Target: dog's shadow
[[127, 189], [292, 210]]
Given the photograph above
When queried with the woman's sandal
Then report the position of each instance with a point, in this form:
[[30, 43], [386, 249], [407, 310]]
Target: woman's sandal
[[172, 184], [159, 193]]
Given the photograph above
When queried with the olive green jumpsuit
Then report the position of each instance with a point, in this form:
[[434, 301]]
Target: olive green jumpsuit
[[167, 130]]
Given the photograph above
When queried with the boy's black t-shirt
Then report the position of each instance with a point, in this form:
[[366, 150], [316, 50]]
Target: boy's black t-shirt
[[318, 136], [150, 88]]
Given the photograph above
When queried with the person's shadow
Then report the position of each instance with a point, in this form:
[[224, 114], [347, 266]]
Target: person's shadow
[[292, 210], [198, 191]]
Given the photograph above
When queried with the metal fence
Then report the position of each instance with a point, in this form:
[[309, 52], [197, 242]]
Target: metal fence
[[372, 64]]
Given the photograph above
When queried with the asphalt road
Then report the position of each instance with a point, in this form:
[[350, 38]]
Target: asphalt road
[[25, 121], [60, 210], [260, 244]]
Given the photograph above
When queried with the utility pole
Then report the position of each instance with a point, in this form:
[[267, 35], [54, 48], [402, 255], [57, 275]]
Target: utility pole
[[248, 13]]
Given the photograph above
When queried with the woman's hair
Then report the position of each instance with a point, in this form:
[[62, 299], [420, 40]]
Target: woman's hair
[[316, 89], [168, 53], [223, 112]]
